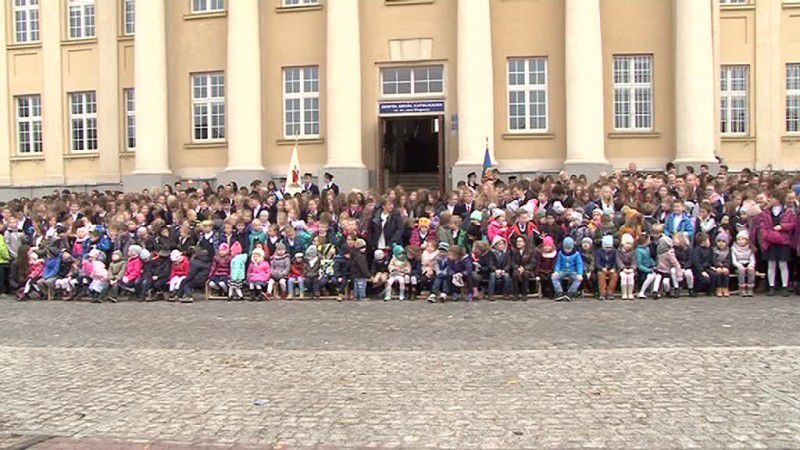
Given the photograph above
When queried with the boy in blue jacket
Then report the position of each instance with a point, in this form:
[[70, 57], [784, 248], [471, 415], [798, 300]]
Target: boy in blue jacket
[[569, 266]]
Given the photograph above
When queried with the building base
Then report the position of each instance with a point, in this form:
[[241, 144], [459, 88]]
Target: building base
[[349, 178], [15, 192], [682, 164], [242, 177], [460, 172], [137, 182], [592, 170]]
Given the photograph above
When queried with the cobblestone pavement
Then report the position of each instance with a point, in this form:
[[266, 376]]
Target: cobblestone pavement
[[705, 373]]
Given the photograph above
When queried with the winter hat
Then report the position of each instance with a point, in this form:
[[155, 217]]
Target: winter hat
[[607, 241], [360, 243], [175, 256], [497, 240], [118, 254], [743, 234], [379, 254], [722, 236], [135, 250], [398, 251], [236, 249], [475, 216], [587, 240], [444, 246], [163, 252], [259, 251], [568, 243], [298, 255], [311, 252], [223, 248], [557, 207], [144, 255], [548, 242], [95, 253], [497, 213], [576, 217], [627, 239], [424, 222]]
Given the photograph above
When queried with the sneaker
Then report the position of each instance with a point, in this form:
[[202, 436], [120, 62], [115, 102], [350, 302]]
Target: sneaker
[[641, 295], [442, 297], [432, 298]]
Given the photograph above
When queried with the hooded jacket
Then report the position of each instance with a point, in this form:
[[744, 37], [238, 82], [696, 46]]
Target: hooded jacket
[[259, 272], [133, 270], [238, 264], [666, 256], [571, 262], [644, 259]]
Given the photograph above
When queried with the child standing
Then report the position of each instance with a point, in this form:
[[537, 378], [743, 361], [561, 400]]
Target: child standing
[[359, 270], [744, 261], [626, 261]]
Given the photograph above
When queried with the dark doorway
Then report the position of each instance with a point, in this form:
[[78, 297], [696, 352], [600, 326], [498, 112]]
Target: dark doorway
[[412, 152]]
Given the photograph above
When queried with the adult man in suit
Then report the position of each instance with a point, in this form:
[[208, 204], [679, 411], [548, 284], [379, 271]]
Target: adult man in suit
[[309, 186], [464, 209], [329, 184]]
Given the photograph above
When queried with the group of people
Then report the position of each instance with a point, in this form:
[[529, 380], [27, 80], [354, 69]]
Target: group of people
[[628, 234]]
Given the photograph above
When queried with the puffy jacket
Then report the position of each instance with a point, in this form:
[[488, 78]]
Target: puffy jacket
[[626, 259], [685, 225], [500, 260], [644, 259], [495, 229], [5, 254], [545, 264], [221, 266], [742, 256], [180, 269], [280, 266], [358, 264], [133, 271], [259, 271], [702, 258], [238, 264], [161, 268], [51, 267], [569, 263]]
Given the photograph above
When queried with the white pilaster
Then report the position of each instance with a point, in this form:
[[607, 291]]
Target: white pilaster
[[584, 88], [243, 82], [53, 96], [475, 86], [108, 93], [694, 83], [5, 105], [343, 95]]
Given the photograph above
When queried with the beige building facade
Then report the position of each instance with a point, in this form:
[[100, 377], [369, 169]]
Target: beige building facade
[[135, 93]]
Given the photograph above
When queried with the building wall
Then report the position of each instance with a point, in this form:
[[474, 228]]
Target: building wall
[[763, 34]]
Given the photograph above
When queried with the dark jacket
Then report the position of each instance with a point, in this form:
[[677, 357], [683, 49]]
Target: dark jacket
[[358, 264], [606, 259], [501, 261], [523, 259], [392, 230], [702, 257]]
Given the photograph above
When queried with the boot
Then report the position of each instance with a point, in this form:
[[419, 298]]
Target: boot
[[771, 291], [402, 294], [692, 293], [726, 292], [744, 292], [786, 292], [719, 292]]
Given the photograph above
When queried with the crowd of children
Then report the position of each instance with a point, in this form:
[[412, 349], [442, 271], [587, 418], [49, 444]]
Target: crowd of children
[[628, 235]]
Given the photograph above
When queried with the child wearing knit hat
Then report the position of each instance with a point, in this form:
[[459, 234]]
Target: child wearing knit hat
[[722, 265], [626, 261], [546, 261], [569, 266], [743, 259]]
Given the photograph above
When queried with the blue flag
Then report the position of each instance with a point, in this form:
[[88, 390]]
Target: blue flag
[[487, 160]]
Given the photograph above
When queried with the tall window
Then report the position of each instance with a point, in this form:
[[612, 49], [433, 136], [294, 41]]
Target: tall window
[[633, 92], [83, 121], [208, 106], [527, 94], [130, 119], [301, 101], [793, 98], [29, 124], [81, 19], [130, 17], [26, 21], [734, 116], [204, 6], [300, 2], [410, 81]]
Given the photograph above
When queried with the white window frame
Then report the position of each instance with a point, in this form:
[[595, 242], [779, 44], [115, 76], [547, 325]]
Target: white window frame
[[209, 105], [129, 17], [207, 6], [729, 94], [412, 81], [81, 19], [529, 88], [298, 3], [26, 14], [734, 2], [83, 120], [129, 96], [634, 92], [305, 94], [793, 99], [29, 117]]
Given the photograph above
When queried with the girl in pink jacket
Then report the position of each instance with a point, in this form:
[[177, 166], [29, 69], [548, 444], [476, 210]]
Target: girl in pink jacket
[[258, 274]]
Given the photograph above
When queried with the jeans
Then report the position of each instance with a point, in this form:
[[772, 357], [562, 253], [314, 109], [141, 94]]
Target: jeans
[[441, 284], [575, 282], [298, 282], [505, 277], [360, 288]]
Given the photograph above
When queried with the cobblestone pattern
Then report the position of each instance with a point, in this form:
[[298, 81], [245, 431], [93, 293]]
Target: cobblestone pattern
[[681, 397], [536, 324]]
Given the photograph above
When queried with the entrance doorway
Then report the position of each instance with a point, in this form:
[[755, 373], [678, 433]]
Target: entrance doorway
[[412, 152]]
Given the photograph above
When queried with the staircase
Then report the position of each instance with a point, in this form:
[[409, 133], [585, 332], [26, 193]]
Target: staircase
[[414, 181]]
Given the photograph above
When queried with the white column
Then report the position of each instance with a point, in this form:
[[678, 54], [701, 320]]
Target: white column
[[584, 88], [150, 52], [53, 96], [243, 81], [694, 83], [108, 93], [343, 95], [5, 106], [768, 89], [475, 85]]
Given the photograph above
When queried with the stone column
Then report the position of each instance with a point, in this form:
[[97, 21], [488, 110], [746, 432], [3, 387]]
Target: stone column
[[584, 89], [5, 106], [343, 96], [243, 82], [108, 93], [694, 84], [152, 138], [53, 96], [475, 87], [768, 90]]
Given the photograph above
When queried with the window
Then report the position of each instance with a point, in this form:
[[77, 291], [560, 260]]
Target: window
[[207, 6], [130, 119], [734, 2], [129, 11], [300, 2], [734, 115], [81, 19], [83, 121], [633, 92], [26, 21], [409, 81], [301, 101], [29, 124], [793, 98], [527, 94], [208, 106]]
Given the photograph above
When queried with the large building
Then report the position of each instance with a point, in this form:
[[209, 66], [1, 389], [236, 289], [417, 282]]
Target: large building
[[134, 93]]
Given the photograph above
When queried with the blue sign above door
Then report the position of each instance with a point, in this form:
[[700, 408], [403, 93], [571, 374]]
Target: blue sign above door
[[428, 106]]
